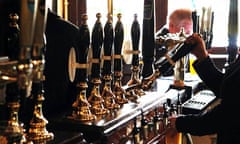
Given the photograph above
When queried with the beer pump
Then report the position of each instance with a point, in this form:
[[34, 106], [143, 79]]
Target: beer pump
[[148, 41], [181, 48], [195, 20], [78, 72], [207, 26], [203, 24], [9, 78], [135, 37], [180, 65], [37, 131], [25, 65], [151, 71], [20, 83], [117, 57], [95, 99], [26, 76], [107, 93], [96, 46]]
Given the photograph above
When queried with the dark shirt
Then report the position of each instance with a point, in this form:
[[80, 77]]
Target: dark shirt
[[222, 119]]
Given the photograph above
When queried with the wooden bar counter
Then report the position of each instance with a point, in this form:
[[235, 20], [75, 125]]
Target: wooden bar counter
[[117, 126]]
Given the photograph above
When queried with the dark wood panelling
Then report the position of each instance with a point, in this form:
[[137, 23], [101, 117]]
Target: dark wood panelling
[[76, 8], [161, 7]]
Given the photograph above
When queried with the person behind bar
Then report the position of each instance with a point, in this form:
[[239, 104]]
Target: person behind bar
[[221, 118], [179, 18]]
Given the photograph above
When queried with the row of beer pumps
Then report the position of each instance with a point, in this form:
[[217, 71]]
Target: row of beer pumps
[[110, 95], [101, 92], [105, 91], [22, 73]]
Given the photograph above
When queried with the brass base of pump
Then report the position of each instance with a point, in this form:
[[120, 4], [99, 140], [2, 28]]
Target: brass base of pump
[[147, 83], [107, 94], [13, 124], [109, 100], [120, 95], [81, 107], [14, 128], [135, 81], [135, 76], [96, 100], [98, 110], [83, 114], [139, 92], [118, 90], [132, 96], [37, 132], [179, 83]]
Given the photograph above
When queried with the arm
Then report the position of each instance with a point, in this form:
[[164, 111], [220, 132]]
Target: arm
[[204, 123], [199, 124], [205, 67], [209, 74]]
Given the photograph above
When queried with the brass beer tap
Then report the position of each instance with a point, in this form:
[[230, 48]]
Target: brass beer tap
[[37, 131], [107, 93], [19, 84], [78, 64], [135, 37], [118, 41], [95, 98]]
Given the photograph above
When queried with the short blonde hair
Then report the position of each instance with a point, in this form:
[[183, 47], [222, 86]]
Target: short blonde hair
[[181, 18]]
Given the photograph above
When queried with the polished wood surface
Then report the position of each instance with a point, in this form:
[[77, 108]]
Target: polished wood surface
[[117, 125]]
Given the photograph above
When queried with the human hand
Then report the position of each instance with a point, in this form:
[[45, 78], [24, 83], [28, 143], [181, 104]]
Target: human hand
[[199, 49]]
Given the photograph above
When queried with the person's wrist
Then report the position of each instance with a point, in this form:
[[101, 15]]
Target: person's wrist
[[202, 57]]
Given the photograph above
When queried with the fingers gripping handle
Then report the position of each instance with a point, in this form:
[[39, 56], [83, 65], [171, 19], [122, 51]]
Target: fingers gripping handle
[[169, 62], [182, 51]]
